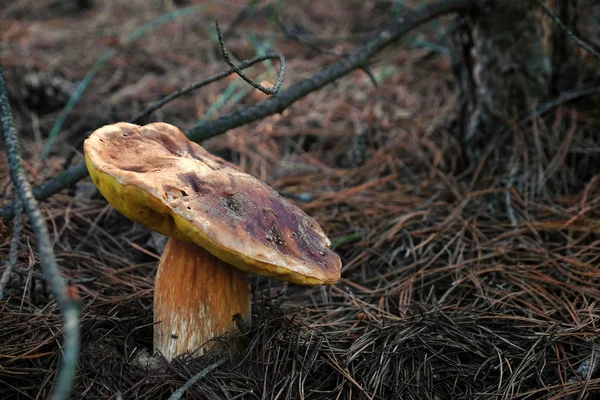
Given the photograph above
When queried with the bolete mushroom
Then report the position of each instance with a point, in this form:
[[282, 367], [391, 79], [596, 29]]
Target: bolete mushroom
[[222, 223]]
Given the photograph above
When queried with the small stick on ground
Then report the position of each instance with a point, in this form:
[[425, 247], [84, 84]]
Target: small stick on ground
[[179, 392]]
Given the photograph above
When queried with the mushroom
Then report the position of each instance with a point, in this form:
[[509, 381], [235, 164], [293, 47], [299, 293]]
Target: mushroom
[[221, 223]]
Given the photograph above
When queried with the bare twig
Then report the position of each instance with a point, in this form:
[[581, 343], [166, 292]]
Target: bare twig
[[238, 70], [285, 98], [370, 74], [564, 98], [70, 349], [243, 65], [179, 392], [543, 109], [14, 247], [569, 32]]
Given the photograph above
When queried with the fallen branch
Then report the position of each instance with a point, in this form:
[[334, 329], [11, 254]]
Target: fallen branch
[[68, 308], [277, 104]]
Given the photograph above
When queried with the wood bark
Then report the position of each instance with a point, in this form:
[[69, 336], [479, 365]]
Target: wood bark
[[511, 54]]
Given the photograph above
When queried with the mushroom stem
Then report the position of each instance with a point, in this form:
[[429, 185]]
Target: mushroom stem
[[196, 296]]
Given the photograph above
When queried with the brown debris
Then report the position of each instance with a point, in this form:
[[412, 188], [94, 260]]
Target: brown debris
[[453, 286]]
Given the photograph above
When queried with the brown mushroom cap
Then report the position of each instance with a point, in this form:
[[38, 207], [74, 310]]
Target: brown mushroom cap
[[158, 178]]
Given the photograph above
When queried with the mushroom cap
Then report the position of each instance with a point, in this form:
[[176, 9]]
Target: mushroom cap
[[157, 177]]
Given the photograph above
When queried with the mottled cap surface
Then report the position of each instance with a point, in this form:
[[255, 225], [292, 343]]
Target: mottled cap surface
[[158, 178]]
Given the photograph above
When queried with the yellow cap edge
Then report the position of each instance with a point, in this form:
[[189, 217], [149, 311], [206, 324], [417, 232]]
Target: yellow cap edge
[[145, 209]]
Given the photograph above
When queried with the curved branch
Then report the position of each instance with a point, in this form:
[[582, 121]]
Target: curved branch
[[285, 98], [245, 77], [243, 65], [68, 308]]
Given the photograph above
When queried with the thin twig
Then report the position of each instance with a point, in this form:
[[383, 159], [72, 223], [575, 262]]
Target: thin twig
[[245, 64], [564, 98], [68, 308], [370, 74], [14, 247], [238, 71], [569, 32], [179, 392], [285, 98]]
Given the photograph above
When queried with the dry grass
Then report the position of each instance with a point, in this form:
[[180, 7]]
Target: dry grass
[[458, 283]]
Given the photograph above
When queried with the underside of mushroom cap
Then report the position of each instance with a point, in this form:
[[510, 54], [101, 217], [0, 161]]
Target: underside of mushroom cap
[[158, 178]]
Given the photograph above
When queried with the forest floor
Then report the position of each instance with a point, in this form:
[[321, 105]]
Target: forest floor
[[458, 282]]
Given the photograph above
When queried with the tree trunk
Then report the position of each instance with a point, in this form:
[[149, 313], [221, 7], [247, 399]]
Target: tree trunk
[[511, 55]]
